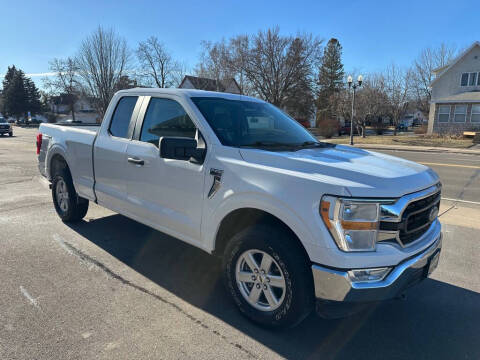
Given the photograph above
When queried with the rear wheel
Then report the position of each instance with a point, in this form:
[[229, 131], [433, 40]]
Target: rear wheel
[[10, 134], [268, 276], [69, 206]]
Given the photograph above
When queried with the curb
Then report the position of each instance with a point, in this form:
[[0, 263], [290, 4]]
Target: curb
[[418, 149]]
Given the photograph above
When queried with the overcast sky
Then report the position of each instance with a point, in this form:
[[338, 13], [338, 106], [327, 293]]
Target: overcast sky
[[373, 33]]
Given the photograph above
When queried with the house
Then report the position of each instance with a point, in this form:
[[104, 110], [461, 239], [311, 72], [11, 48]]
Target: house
[[61, 104], [200, 83], [84, 110], [455, 102]]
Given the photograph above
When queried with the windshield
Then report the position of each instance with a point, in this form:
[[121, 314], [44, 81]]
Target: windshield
[[241, 123]]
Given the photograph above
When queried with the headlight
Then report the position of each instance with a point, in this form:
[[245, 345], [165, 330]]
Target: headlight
[[353, 224]]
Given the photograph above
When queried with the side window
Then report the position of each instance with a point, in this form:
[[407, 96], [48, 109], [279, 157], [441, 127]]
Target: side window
[[122, 116], [165, 117]]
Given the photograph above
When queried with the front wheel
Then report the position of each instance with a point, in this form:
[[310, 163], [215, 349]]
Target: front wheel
[[268, 276], [10, 134], [69, 206]]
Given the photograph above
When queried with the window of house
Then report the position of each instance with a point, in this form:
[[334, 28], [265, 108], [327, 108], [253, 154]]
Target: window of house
[[473, 79], [166, 117], [475, 117], [464, 81], [460, 113], [122, 116], [443, 113]]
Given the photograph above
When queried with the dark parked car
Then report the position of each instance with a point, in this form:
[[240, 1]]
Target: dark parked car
[[345, 129], [5, 127]]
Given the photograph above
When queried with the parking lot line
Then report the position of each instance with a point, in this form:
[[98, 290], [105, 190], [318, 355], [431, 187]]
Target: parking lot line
[[451, 165], [462, 201]]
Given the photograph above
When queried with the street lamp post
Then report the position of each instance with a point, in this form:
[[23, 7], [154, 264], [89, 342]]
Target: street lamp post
[[354, 86]]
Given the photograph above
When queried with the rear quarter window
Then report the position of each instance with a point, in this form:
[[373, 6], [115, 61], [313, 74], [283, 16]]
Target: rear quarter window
[[122, 116]]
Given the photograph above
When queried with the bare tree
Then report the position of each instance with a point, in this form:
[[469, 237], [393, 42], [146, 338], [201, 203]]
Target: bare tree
[[276, 65], [428, 60], [397, 83], [216, 61], [102, 60], [371, 101], [65, 82], [279, 69], [157, 63]]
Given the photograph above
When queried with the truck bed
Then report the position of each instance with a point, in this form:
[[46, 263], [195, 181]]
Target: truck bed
[[75, 143]]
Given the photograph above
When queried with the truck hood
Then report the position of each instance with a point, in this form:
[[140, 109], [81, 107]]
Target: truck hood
[[356, 171]]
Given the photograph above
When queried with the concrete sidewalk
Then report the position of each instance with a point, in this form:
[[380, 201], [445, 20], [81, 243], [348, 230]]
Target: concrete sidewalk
[[475, 150]]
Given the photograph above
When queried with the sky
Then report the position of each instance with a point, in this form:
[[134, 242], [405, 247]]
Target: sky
[[373, 34]]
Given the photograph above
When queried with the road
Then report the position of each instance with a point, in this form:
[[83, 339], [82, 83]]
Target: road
[[111, 288], [459, 173]]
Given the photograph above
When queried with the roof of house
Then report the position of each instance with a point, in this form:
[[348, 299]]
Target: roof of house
[[466, 97], [202, 83], [442, 70]]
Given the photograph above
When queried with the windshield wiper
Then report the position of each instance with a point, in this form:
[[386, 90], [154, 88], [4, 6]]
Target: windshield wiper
[[306, 144], [269, 144]]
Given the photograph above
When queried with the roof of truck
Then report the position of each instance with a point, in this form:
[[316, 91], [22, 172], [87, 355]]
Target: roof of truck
[[186, 93]]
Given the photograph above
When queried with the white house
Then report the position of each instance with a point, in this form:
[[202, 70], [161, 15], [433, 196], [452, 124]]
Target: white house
[[455, 102]]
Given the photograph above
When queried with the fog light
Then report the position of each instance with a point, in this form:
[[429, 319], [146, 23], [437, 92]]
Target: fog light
[[368, 275]]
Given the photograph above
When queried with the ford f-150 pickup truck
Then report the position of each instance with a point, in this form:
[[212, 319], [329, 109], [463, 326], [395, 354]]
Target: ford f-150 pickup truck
[[297, 222]]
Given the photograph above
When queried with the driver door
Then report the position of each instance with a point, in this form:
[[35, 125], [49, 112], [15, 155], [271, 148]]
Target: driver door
[[166, 194]]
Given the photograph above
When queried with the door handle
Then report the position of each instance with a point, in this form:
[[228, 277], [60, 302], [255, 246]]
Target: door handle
[[136, 161]]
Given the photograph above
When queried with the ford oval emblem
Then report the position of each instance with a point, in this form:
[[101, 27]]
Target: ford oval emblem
[[433, 214]]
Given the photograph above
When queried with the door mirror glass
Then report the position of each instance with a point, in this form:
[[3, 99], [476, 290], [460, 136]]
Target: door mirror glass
[[181, 148]]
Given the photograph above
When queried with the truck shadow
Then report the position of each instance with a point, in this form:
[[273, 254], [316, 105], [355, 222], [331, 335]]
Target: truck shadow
[[437, 320]]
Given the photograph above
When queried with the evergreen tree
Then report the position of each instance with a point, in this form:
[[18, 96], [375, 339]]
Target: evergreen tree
[[330, 79], [33, 97], [14, 93], [20, 94]]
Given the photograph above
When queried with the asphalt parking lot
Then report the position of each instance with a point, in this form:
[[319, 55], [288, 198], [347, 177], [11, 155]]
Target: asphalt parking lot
[[111, 288]]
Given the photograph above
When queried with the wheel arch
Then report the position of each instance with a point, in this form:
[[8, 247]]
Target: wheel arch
[[56, 162], [241, 218]]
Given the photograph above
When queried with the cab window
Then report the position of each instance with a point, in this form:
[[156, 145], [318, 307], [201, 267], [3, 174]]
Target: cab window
[[166, 117]]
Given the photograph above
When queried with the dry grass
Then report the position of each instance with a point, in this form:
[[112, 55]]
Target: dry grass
[[409, 140]]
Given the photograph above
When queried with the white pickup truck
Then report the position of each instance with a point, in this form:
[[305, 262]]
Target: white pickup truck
[[297, 222]]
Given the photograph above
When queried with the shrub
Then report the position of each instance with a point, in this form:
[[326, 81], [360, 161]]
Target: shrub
[[421, 129], [327, 127]]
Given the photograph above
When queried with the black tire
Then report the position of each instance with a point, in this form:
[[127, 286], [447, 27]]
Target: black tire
[[10, 134], [298, 301], [75, 207]]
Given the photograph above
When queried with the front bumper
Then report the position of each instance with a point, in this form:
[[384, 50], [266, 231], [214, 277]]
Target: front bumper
[[335, 285]]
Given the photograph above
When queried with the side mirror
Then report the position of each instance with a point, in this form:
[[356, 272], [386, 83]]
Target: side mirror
[[181, 148]]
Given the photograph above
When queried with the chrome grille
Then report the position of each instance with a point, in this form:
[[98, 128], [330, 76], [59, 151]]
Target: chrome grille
[[410, 217]]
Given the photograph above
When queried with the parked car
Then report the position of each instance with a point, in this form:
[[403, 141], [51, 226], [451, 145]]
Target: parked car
[[296, 221], [402, 127], [345, 129], [5, 127]]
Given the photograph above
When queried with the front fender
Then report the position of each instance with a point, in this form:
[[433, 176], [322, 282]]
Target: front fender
[[261, 202]]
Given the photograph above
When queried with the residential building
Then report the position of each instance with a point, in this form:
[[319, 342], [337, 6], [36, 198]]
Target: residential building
[[225, 85], [84, 110], [455, 102]]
